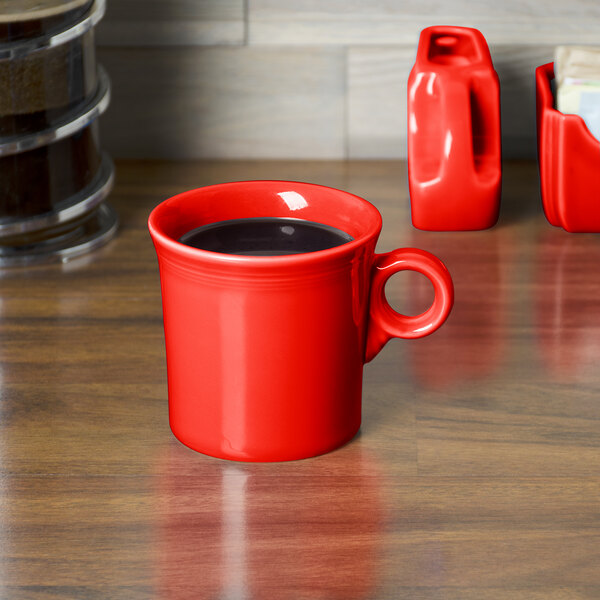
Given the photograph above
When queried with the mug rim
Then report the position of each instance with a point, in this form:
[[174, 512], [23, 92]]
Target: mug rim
[[372, 228]]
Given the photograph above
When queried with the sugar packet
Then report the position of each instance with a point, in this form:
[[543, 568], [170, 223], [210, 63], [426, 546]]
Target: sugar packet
[[577, 75]]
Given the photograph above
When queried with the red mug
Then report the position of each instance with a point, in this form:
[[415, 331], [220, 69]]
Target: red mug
[[265, 354]]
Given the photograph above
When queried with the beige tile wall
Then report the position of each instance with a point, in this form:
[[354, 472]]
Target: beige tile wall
[[306, 78]]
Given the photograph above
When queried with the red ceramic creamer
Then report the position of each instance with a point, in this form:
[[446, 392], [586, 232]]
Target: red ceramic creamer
[[569, 162], [454, 146]]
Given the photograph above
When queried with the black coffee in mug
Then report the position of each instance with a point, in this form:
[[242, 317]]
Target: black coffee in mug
[[268, 236]]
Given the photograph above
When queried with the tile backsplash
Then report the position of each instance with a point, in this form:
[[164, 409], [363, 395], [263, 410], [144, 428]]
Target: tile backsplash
[[302, 79]]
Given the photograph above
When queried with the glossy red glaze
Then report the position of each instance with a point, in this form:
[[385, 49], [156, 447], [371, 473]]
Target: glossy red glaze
[[265, 354], [454, 145], [569, 162]]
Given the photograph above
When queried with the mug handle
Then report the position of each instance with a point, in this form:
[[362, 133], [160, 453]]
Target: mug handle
[[384, 322]]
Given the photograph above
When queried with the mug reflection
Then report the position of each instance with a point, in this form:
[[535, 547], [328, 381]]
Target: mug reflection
[[250, 531], [470, 345]]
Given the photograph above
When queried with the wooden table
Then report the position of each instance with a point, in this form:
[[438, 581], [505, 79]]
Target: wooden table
[[475, 475]]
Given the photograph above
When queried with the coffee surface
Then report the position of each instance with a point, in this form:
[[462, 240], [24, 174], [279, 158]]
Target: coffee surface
[[271, 236]]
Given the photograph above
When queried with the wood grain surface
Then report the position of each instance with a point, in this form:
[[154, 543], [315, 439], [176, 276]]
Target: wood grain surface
[[476, 474]]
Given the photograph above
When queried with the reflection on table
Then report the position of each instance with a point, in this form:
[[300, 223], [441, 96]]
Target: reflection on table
[[567, 303], [470, 346], [235, 530]]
